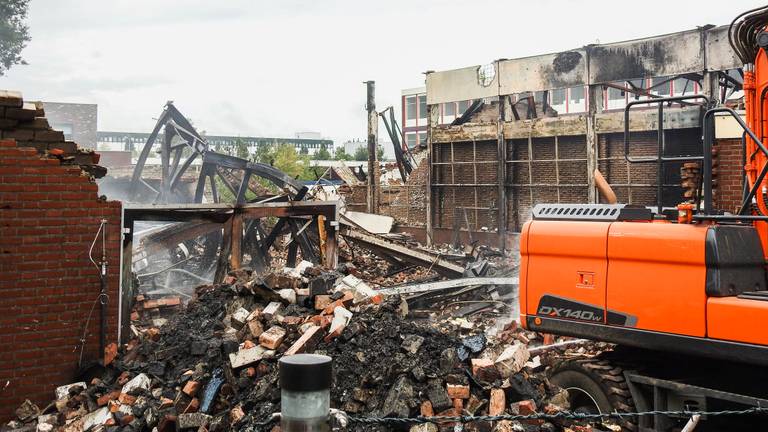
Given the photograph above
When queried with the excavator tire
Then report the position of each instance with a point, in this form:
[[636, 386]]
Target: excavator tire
[[595, 386]]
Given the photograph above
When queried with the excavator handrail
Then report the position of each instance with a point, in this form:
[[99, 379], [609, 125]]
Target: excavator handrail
[[708, 142], [659, 159]]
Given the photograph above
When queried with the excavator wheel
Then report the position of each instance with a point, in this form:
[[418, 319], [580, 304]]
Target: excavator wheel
[[595, 386]]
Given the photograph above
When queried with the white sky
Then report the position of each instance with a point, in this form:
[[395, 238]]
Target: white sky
[[272, 68]]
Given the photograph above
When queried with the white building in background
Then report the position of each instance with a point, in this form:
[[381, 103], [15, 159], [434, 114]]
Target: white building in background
[[351, 146]]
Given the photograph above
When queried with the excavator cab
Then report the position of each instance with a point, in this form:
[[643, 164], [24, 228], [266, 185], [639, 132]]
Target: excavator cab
[[684, 291]]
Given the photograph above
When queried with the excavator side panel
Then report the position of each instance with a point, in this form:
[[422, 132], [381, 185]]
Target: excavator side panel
[[737, 319], [565, 272], [656, 277]]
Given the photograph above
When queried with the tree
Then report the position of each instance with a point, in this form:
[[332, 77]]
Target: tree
[[264, 153], [341, 155], [361, 153], [241, 149], [14, 33], [380, 153], [323, 153], [304, 150], [291, 162]]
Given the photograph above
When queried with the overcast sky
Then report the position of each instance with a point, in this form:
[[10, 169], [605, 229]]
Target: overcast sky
[[272, 68]]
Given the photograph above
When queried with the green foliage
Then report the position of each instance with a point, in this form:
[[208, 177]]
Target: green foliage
[[241, 149], [304, 150], [292, 163], [341, 155], [323, 153], [14, 33], [361, 153], [265, 153]]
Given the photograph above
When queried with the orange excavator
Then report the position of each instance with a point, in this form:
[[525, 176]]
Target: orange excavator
[[681, 291]]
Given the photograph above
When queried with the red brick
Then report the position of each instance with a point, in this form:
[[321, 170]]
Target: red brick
[[497, 402], [457, 391]]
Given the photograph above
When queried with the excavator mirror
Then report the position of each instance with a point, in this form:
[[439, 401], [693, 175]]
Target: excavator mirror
[[762, 39]]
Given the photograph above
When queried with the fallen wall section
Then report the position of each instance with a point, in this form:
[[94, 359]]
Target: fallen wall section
[[49, 215]]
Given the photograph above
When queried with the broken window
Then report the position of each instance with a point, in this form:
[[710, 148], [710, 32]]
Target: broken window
[[423, 106], [662, 86], [683, 86], [449, 109], [577, 94], [558, 97], [463, 105], [423, 138], [410, 108], [636, 84], [411, 139]]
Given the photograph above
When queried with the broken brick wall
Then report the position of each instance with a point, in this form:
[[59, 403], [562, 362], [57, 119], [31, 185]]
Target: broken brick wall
[[50, 213], [730, 174]]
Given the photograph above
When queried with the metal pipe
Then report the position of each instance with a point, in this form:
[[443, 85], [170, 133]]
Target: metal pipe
[[305, 392], [373, 126]]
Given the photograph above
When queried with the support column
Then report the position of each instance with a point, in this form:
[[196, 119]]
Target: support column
[[432, 112], [502, 174], [594, 99], [373, 128]]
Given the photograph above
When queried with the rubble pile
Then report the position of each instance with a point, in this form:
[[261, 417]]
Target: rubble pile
[[213, 366]]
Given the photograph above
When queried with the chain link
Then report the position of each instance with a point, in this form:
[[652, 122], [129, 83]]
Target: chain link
[[342, 419], [542, 416]]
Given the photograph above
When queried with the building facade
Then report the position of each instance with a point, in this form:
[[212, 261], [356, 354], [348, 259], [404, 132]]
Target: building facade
[[134, 141], [547, 122], [78, 121]]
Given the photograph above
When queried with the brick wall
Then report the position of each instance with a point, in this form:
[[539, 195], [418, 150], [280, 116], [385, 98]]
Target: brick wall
[[49, 215], [81, 119], [730, 174]]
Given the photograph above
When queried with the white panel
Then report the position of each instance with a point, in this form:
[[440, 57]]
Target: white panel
[[458, 85], [544, 72]]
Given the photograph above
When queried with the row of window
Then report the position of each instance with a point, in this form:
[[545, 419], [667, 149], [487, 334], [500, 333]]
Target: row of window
[[563, 100]]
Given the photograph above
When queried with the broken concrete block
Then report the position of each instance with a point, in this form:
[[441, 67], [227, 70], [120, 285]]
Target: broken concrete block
[[192, 420], [288, 294], [245, 357], [272, 338], [239, 318], [457, 391], [297, 271], [63, 391], [341, 318], [307, 341], [96, 418], [497, 402], [511, 360], [361, 292], [271, 310], [255, 328], [140, 381], [412, 343]]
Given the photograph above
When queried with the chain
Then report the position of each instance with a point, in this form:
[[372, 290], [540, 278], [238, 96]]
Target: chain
[[342, 420], [542, 416]]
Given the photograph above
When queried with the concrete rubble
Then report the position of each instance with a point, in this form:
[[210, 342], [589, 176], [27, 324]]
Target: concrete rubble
[[211, 364]]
